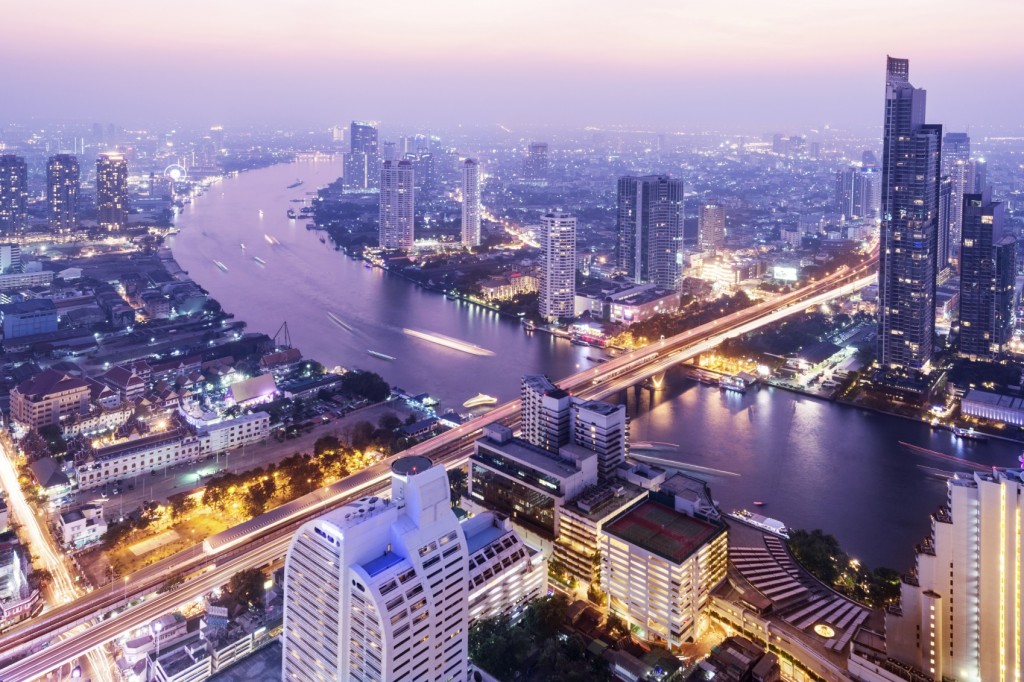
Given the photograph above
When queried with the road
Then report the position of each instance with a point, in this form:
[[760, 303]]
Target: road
[[451, 449]]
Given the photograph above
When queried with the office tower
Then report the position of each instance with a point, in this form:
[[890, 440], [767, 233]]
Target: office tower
[[978, 176], [960, 615], [956, 163], [558, 252], [910, 216], [603, 428], [868, 159], [425, 167], [378, 590], [361, 164], [390, 152], [470, 204], [13, 194], [112, 192], [397, 205], [711, 226], [855, 192], [650, 230], [62, 185], [535, 170], [944, 238], [987, 274], [10, 258], [545, 420]]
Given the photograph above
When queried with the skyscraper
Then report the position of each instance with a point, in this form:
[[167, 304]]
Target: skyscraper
[[650, 230], [397, 205], [470, 203], [13, 194], [959, 616], [535, 170], [711, 226], [956, 163], [112, 192], [62, 185], [558, 251], [363, 159], [910, 215], [987, 274], [855, 194], [378, 590], [943, 239]]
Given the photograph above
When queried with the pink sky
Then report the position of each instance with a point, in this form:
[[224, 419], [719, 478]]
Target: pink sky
[[674, 65]]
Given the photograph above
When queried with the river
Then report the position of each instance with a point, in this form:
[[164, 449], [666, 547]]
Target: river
[[813, 463]]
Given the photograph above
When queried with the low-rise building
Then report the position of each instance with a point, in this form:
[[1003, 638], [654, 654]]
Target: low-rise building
[[82, 526], [50, 476], [995, 407], [252, 391], [504, 572], [658, 567], [96, 421], [234, 433], [49, 397], [24, 280], [507, 287], [18, 599], [25, 318], [140, 455]]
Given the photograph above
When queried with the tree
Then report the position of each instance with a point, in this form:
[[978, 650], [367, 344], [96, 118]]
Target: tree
[[367, 385], [819, 553], [458, 482], [360, 435], [181, 506], [389, 422], [326, 444], [260, 493], [246, 587], [54, 437]]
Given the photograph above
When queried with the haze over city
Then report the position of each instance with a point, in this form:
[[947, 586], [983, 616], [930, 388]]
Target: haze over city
[[744, 66]]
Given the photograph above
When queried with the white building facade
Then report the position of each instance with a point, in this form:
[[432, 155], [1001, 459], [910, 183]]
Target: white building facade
[[470, 203], [558, 251], [397, 205]]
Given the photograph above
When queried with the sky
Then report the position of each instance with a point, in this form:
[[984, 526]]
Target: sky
[[681, 65]]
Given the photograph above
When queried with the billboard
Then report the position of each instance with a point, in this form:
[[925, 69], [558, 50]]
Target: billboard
[[786, 273]]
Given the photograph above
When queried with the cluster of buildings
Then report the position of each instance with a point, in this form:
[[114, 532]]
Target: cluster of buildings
[[936, 219]]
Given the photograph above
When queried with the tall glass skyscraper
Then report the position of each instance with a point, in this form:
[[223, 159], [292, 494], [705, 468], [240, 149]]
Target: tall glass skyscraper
[[956, 163], [558, 251], [911, 157], [650, 230], [112, 192], [987, 274], [63, 182], [362, 163], [13, 194]]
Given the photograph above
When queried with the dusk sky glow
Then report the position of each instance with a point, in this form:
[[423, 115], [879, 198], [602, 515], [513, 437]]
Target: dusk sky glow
[[681, 65]]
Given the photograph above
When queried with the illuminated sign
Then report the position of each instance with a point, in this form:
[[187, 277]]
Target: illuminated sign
[[785, 273]]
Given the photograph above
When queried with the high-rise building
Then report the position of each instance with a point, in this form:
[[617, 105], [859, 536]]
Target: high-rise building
[[650, 230], [361, 164], [62, 185], [112, 192], [470, 203], [13, 194], [397, 205], [603, 428], [545, 420], [856, 193], [535, 170], [960, 614], [910, 215], [987, 273], [944, 238], [558, 253], [378, 590], [711, 226], [979, 176], [390, 152], [10, 258], [956, 163]]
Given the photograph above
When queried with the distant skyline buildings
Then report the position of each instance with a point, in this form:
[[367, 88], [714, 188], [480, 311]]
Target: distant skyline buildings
[[112, 192], [558, 262], [535, 166], [909, 231], [63, 184], [649, 227], [470, 203], [13, 194], [397, 205]]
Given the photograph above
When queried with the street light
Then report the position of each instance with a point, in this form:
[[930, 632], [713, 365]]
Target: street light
[[76, 672], [157, 626]]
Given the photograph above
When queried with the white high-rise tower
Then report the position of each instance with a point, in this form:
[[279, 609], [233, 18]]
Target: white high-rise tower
[[378, 590], [397, 205], [470, 203], [558, 248]]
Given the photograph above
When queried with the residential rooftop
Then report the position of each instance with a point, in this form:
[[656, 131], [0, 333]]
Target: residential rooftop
[[661, 530]]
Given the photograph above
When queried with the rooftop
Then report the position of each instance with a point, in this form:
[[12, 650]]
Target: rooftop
[[50, 381], [1009, 402], [382, 563], [483, 529], [33, 305], [538, 458], [662, 530]]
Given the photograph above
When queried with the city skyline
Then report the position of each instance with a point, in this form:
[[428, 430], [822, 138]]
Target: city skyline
[[250, 65]]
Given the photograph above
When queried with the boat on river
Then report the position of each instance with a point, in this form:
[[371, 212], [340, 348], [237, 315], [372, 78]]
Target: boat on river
[[969, 434], [480, 400], [765, 523], [297, 183], [382, 356], [341, 323], [259, 260], [220, 265]]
